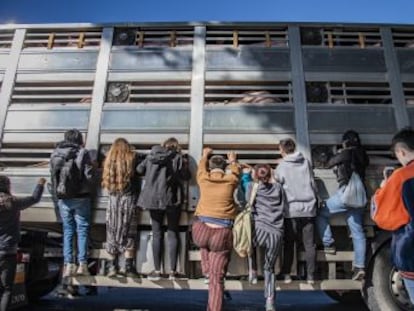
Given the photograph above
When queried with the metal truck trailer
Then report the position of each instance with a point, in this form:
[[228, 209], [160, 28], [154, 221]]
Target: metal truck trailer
[[231, 86]]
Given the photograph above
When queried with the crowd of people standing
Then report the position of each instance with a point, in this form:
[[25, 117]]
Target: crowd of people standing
[[286, 209]]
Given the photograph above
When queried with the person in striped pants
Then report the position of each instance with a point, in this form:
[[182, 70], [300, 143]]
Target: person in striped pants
[[215, 213], [267, 233]]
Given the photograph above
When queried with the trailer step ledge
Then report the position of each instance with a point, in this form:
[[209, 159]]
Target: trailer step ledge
[[198, 284]]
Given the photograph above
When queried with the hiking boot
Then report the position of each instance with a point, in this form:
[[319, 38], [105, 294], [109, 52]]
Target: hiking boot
[[83, 269], [359, 274], [154, 276], [287, 279], [329, 249], [69, 270]]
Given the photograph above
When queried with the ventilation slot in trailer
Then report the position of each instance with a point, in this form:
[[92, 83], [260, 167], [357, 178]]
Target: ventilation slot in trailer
[[239, 37], [145, 37], [149, 92], [403, 37], [348, 93], [53, 93], [6, 39], [25, 155], [251, 155], [341, 37], [62, 38], [247, 92], [409, 93]]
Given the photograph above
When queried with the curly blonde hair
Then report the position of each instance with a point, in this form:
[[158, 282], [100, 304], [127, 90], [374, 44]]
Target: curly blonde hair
[[119, 166]]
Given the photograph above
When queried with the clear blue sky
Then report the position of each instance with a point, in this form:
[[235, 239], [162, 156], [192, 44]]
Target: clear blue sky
[[46, 11]]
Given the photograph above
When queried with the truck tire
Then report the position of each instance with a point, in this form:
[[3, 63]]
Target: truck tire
[[36, 289], [383, 289]]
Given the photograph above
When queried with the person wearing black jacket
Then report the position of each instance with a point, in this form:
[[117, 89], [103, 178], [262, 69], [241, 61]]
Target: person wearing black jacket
[[74, 209], [352, 158], [10, 208], [165, 169]]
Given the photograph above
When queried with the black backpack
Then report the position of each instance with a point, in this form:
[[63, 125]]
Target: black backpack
[[66, 175]]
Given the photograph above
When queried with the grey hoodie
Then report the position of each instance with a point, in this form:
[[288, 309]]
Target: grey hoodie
[[296, 175], [268, 206]]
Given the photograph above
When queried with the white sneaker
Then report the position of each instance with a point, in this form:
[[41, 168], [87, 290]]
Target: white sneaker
[[287, 279], [69, 270], [83, 269]]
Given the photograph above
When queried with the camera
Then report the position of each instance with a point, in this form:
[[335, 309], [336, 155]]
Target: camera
[[387, 172]]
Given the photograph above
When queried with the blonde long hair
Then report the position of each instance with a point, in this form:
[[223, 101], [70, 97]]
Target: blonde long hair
[[118, 167]]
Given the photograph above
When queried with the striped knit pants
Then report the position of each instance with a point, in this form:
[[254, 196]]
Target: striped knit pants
[[215, 246], [271, 242]]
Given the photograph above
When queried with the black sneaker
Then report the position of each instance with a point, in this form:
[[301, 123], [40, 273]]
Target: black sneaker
[[154, 276], [329, 249], [129, 272], [359, 274]]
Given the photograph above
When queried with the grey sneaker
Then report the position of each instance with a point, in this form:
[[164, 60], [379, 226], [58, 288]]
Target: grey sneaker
[[69, 270], [253, 277], [270, 304], [287, 279], [112, 272], [154, 276], [329, 249], [172, 276], [359, 274], [83, 269]]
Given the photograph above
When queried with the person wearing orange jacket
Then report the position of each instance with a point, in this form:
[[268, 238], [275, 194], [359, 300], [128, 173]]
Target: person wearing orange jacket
[[392, 208]]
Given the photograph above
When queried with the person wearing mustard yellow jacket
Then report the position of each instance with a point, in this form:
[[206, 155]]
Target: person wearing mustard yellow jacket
[[215, 214]]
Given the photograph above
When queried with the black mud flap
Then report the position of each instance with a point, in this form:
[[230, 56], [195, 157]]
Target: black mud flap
[[19, 296]]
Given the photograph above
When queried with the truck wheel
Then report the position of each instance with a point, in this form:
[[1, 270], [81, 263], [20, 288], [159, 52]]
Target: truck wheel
[[345, 297], [36, 289], [384, 289]]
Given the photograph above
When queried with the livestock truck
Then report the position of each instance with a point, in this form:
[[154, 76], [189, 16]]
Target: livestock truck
[[229, 86]]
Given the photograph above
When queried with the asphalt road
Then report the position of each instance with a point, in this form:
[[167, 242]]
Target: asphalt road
[[118, 299]]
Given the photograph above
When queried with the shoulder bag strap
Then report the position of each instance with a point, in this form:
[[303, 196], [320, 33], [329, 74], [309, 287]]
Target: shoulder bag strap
[[253, 195]]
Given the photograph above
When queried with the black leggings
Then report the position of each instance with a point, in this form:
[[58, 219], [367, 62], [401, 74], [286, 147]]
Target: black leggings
[[173, 220], [8, 264]]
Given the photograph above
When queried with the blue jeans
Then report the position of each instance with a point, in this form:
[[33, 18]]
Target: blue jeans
[[76, 214], [409, 286], [355, 220]]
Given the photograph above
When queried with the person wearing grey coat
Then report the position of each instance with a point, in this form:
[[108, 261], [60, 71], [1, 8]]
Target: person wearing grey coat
[[296, 176]]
